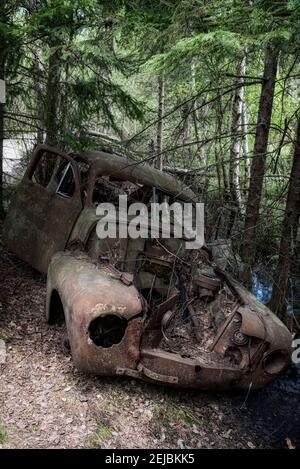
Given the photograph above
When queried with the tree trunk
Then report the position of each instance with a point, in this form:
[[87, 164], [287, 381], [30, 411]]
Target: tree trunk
[[2, 77], [245, 146], [289, 234], [52, 99], [65, 105], [195, 115], [219, 158], [234, 169], [258, 162], [1, 160], [38, 94], [185, 114], [160, 124]]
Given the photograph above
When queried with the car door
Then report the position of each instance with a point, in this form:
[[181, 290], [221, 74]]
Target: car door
[[44, 210]]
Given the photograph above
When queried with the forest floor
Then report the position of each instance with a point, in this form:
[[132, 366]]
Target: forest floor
[[46, 403]]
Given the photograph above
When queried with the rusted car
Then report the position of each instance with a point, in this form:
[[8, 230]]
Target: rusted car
[[145, 308]]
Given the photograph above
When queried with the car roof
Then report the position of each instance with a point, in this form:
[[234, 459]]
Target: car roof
[[127, 169]]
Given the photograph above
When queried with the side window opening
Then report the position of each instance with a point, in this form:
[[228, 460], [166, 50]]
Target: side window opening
[[66, 185], [56, 174]]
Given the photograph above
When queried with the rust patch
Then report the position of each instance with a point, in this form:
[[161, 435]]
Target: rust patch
[[147, 309]]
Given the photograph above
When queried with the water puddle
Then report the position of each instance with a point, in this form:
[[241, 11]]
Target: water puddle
[[262, 289]]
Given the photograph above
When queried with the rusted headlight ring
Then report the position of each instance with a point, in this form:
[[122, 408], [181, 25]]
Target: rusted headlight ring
[[275, 362]]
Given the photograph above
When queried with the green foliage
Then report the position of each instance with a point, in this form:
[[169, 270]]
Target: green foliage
[[3, 432], [220, 43], [103, 432], [101, 61]]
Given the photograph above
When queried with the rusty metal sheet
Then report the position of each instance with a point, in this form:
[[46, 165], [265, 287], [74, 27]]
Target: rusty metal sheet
[[277, 333], [252, 325], [114, 326], [189, 372], [88, 293], [39, 222], [106, 164]]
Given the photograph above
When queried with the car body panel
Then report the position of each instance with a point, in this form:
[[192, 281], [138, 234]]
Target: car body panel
[[39, 221], [89, 291], [146, 308]]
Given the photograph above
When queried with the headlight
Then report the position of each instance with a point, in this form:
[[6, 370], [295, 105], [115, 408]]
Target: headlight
[[275, 362], [108, 330]]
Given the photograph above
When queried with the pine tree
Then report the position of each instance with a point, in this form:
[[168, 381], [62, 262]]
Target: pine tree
[[289, 234]]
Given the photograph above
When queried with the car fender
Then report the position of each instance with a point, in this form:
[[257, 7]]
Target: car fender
[[88, 293]]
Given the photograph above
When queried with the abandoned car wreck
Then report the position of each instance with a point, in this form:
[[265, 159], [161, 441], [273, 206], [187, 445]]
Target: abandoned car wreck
[[146, 308]]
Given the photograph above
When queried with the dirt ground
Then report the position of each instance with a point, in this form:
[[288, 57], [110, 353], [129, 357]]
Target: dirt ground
[[46, 403]]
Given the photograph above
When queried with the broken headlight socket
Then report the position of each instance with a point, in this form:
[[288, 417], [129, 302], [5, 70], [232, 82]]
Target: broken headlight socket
[[275, 362]]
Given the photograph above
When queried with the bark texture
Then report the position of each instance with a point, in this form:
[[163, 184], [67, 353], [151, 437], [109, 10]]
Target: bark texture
[[185, 115], [2, 106], [160, 123], [259, 160], [289, 234], [52, 99], [236, 131]]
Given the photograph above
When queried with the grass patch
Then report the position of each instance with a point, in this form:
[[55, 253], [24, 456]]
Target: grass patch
[[31, 428], [205, 422], [172, 418], [182, 415], [108, 406], [103, 433], [173, 414], [3, 432]]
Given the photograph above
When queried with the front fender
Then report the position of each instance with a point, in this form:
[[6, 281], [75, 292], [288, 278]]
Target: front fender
[[90, 296]]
